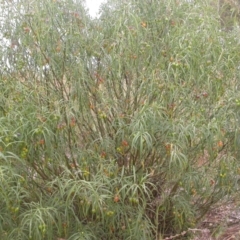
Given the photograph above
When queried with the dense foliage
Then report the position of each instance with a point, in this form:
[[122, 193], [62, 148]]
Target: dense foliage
[[122, 127]]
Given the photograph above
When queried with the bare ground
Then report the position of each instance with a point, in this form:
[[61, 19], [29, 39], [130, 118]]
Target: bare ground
[[222, 223]]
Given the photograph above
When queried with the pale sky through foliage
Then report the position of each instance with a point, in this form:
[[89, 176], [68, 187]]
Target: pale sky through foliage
[[93, 6]]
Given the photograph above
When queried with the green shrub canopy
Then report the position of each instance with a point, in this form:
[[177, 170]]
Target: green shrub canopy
[[122, 127]]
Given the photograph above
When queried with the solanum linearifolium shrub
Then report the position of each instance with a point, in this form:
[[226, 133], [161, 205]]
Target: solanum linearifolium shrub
[[124, 126]]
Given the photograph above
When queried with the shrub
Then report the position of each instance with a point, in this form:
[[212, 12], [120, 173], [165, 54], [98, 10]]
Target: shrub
[[125, 127]]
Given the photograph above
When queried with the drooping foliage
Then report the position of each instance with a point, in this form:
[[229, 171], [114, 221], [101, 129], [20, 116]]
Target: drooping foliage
[[122, 127]]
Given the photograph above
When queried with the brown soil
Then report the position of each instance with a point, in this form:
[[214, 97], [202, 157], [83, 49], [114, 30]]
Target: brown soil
[[222, 223]]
